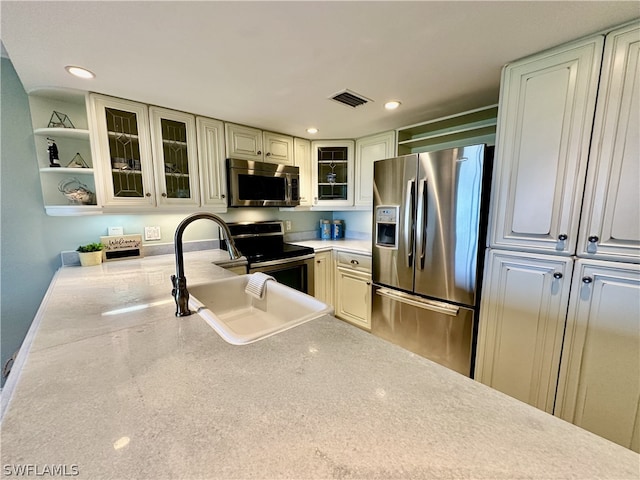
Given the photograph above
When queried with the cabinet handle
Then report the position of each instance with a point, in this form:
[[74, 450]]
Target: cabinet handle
[[259, 152], [368, 283], [268, 154], [593, 239], [562, 237], [587, 280], [355, 262], [557, 275], [318, 261], [164, 195], [147, 194]]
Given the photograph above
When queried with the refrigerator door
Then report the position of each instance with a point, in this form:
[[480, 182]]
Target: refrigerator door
[[438, 331], [448, 223], [394, 186]]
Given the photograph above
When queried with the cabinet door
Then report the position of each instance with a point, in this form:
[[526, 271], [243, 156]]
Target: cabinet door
[[243, 142], [599, 386], [368, 150], [278, 148], [121, 146], [353, 297], [333, 173], [323, 277], [522, 317], [173, 137], [611, 213], [213, 176], [544, 128], [302, 156]]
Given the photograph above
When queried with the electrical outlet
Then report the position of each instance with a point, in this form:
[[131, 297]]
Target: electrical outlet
[[152, 233], [287, 225]]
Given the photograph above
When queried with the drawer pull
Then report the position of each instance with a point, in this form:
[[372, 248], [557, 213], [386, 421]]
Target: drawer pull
[[355, 262]]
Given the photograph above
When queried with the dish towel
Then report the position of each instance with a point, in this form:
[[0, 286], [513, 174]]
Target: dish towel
[[256, 286]]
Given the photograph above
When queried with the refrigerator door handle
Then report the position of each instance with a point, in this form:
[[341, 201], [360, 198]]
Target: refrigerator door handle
[[409, 221], [423, 223], [440, 307]]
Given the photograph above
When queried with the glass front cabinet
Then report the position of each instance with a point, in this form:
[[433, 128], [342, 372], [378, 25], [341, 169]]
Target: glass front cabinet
[[127, 137], [333, 166]]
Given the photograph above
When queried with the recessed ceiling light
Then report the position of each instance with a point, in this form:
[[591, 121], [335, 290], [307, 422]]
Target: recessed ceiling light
[[392, 105], [79, 72], [312, 130]]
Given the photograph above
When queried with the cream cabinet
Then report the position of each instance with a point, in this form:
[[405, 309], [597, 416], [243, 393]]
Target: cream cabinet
[[611, 211], [121, 141], [323, 277], [333, 173], [368, 150], [173, 142], [302, 158], [70, 188], [547, 122], [148, 155], [547, 103], [211, 153], [353, 288], [599, 386], [249, 143], [523, 314]]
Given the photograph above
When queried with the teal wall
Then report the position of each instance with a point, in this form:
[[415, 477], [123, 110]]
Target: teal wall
[[31, 241]]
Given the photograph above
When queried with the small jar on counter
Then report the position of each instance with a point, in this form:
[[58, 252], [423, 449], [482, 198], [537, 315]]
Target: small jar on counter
[[337, 231], [325, 230]]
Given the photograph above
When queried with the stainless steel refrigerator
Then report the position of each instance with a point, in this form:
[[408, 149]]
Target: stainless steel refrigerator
[[429, 216]]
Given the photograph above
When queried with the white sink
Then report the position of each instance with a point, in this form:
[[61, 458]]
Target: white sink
[[240, 318]]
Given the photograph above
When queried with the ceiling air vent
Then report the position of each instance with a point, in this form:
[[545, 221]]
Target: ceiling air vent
[[350, 99]]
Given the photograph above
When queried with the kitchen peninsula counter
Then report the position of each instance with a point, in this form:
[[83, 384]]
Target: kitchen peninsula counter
[[115, 386]]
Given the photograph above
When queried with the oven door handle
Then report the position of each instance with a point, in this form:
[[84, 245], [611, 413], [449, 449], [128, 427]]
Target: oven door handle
[[281, 261]]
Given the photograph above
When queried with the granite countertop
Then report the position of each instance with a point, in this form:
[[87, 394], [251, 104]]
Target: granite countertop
[[346, 245], [115, 386]]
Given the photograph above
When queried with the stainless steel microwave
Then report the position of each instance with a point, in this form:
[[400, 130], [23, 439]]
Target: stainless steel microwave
[[261, 184]]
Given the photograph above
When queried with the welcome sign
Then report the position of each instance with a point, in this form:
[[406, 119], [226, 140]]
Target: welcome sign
[[118, 247]]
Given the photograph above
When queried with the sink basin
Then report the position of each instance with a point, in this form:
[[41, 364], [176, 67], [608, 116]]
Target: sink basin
[[240, 318]]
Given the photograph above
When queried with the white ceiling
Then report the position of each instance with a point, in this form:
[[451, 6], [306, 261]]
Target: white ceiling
[[273, 65]]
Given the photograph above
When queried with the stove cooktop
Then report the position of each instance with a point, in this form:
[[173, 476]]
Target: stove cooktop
[[264, 242]]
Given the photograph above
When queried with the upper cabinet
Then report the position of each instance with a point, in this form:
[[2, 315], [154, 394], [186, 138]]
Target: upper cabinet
[[547, 105], [154, 157], [248, 143], [368, 150], [333, 172], [173, 136], [302, 158], [121, 140], [63, 152], [211, 153], [611, 211]]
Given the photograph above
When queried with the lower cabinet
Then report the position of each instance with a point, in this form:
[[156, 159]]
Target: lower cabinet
[[343, 279], [353, 288], [599, 385], [323, 277], [522, 317], [569, 345]]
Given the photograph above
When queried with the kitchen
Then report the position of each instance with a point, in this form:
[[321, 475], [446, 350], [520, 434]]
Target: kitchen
[[65, 233]]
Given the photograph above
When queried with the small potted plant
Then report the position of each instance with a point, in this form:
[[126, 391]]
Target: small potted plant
[[90, 254]]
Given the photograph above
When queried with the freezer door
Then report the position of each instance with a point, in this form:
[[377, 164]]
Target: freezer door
[[394, 185], [448, 221], [438, 331]]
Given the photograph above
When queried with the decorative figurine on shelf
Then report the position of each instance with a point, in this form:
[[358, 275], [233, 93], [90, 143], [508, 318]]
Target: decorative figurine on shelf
[[77, 162], [52, 148], [60, 120]]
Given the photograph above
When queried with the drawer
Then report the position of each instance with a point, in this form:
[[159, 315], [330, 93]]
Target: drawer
[[355, 261]]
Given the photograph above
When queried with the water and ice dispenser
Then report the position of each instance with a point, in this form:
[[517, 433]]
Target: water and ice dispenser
[[387, 227]]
